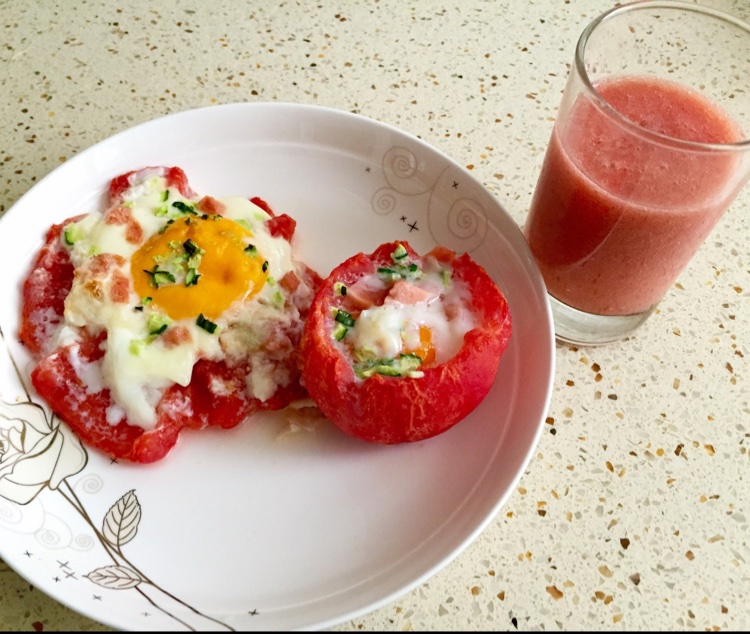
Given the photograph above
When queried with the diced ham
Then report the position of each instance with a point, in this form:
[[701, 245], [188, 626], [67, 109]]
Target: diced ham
[[176, 336], [211, 205], [119, 291], [359, 297], [290, 282], [121, 215], [103, 263], [407, 293]]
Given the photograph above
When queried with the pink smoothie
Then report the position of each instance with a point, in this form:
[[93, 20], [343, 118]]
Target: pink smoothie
[[616, 217]]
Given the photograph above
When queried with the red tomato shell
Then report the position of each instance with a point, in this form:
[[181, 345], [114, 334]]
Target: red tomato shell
[[389, 410]]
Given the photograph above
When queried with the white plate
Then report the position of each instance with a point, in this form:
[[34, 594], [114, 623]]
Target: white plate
[[252, 528]]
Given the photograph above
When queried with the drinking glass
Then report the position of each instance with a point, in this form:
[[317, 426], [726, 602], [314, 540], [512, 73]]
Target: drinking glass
[[649, 148]]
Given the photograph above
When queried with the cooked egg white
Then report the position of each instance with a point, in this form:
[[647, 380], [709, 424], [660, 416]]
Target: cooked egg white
[[171, 285], [394, 328]]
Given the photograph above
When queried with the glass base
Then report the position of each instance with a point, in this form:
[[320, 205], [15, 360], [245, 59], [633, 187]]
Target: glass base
[[584, 329]]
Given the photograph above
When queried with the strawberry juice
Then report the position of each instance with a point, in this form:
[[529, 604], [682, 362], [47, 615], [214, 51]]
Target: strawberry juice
[[618, 212]]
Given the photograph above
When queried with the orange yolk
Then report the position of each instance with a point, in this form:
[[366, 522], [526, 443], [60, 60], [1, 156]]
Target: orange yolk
[[226, 271], [425, 350]]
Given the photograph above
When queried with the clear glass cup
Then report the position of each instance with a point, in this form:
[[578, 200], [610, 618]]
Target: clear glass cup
[[649, 148]]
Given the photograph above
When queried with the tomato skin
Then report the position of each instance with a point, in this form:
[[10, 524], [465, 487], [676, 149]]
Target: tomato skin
[[390, 410], [45, 289]]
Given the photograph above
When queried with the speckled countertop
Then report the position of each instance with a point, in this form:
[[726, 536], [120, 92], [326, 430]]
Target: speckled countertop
[[633, 513]]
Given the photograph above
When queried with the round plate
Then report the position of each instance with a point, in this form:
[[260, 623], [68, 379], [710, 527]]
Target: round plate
[[269, 525]]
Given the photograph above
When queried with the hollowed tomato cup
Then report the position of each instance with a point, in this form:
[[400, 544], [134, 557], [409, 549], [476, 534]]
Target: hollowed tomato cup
[[415, 405]]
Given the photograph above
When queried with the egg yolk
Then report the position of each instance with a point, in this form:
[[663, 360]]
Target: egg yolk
[[210, 263], [425, 350]]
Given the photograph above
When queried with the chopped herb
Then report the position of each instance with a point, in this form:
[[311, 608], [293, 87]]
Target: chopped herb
[[339, 331], [340, 289], [207, 325], [401, 268], [158, 277], [157, 323], [164, 228], [191, 248], [403, 365], [191, 277], [410, 357], [445, 276], [144, 302], [72, 234], [343, 317], [184, 208], [136, 345], [405, 271], [399, 253]]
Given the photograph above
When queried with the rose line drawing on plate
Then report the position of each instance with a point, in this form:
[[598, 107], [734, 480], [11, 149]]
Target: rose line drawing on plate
[[39, 452]]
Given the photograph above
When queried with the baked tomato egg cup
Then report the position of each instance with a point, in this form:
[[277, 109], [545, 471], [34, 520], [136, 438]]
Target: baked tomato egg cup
[[165, 310], [399, 347]]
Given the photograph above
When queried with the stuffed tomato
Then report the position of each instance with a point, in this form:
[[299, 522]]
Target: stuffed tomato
[[399, 347], [165, 310]]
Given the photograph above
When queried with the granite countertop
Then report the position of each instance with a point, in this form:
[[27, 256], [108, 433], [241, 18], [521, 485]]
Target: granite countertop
[[633, 512]]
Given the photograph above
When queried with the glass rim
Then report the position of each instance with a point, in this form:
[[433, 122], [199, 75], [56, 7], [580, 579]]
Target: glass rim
[[603, 104]]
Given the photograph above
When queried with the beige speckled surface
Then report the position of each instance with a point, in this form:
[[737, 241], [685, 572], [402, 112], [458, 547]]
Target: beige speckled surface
[[633, 513]]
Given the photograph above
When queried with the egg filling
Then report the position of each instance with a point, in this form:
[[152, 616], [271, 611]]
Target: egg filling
[[173, 280], [405, 318]]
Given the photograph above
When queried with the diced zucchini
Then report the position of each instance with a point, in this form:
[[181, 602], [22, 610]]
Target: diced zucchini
[[157, 323], [136, 345], [344, 317], [399, 253], [403, 365], [191, 277], [72, 234], [339, 331], [205, 323]]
